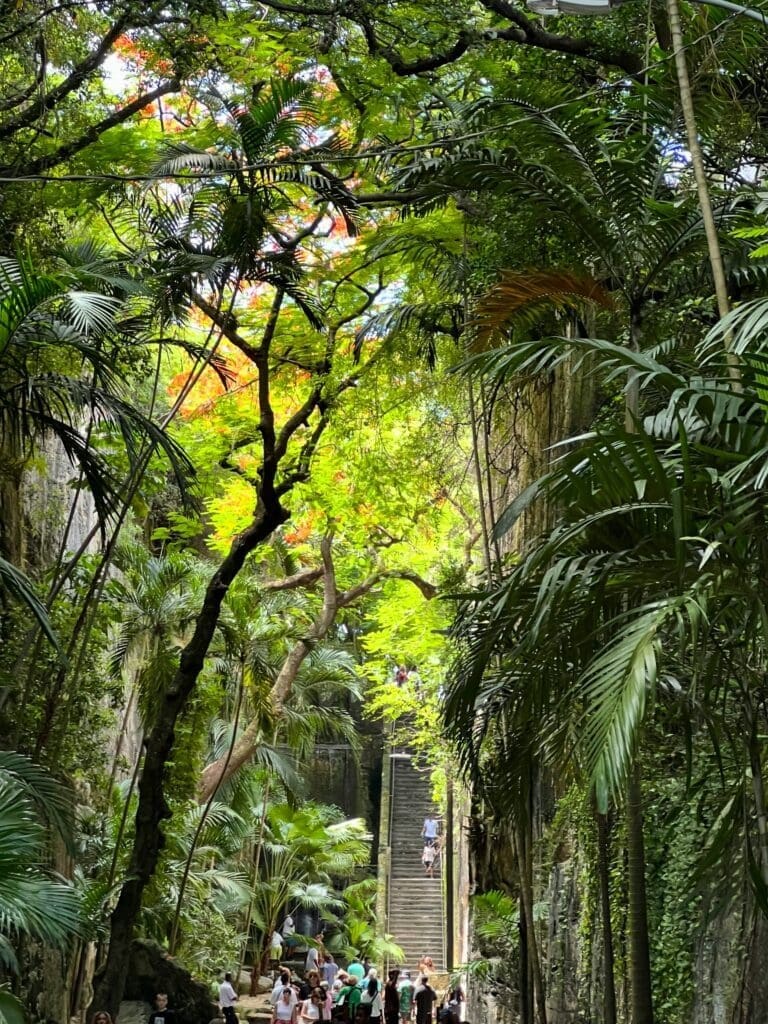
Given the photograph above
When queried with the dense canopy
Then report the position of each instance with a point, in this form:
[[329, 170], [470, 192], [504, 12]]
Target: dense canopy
[[377, 377]]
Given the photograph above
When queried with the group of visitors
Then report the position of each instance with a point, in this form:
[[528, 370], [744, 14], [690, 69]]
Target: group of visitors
[[351, 996]]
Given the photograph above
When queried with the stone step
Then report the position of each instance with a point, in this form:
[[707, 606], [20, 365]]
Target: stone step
[[416, 912]]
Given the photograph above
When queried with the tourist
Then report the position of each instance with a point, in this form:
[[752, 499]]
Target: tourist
[[455, 999], [162, 1014], [276, 947], [101, 1017], [227, 1000], [372, 996], [283, 981], [349, 998], [330, 968], [392, 998], [336, 987], [428, 856], [356, 970], [426, 965], [424, 997], [430, 830], [284, 1010], [328, 1006], [288, 928], [312, 963], [311, 1009], [405, 991], [311, 982]]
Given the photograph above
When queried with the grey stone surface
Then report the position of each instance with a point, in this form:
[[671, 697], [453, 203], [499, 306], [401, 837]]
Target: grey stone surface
[[151, 970]]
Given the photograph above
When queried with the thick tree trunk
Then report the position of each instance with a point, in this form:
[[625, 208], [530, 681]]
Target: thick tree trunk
[[152, 808], [641, 1001], [603, 864]]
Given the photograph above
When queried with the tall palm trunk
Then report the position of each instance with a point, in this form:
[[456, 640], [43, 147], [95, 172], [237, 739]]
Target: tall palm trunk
[[641, 1001], [603, 864], [525, 866], [526, 985]]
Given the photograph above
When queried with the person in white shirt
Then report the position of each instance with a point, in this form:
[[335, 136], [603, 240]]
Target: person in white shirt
[[312, 1009], [284, 1011], [227, 1000], [330, 969], [284, 981], [312, 961]]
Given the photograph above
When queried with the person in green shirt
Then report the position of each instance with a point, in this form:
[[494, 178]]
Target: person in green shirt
[[347, 1001], [405, 992]]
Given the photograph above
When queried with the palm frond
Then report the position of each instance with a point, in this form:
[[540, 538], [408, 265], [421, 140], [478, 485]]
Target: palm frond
[[517, 292]]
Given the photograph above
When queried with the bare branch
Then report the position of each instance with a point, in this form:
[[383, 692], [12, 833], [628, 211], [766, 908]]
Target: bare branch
[[305, 578], [221, 770]]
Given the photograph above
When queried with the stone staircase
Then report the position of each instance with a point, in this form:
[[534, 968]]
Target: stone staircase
[[416, 915]]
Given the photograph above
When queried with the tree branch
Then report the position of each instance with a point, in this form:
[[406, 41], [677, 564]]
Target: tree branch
[[222, 770], [69, 149], [73, 81], [305, 578]]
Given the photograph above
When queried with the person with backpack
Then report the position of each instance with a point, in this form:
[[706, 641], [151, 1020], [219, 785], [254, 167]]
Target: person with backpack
[[347, 1001], [405, 992], [371, 997]]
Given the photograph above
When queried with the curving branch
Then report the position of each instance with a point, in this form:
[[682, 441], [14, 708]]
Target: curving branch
[[51, 99], [224, 768], [519, 29], [68, 149]]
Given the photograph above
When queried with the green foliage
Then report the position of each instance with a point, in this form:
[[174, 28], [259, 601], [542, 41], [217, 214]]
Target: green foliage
[[360, 935], [32, 902]]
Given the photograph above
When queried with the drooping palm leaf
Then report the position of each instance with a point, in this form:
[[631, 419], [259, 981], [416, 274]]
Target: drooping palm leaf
[[518, 292]]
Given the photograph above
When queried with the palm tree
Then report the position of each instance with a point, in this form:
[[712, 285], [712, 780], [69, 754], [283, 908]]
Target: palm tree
[[234, 227], [360, 936], [654, 570], [305, 850], [33, 901], [60, 340]]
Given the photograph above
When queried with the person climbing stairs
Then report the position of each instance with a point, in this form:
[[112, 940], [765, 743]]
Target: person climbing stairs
[[416, 911]]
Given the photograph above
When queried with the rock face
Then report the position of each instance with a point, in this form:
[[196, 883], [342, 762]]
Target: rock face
[[152, 970]]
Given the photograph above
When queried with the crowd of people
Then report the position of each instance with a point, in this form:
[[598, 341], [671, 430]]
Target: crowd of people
[[356, 995], [328, 993]]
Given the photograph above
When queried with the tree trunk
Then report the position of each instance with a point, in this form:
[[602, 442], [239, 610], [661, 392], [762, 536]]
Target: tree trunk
[[603, 864], [152, 808], [526, 899], [526, 994], [632, 402], [641, 1001]]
